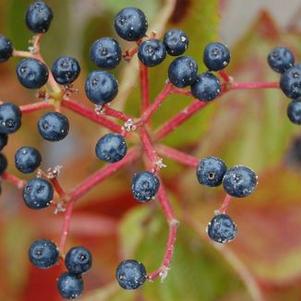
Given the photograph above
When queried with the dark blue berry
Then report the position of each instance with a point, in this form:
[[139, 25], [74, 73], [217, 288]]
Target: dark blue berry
[[101, 87], [111, 148], [131, 24], [130, 274], [6, 49], [38, 17], [3, 163], [216, 56], [151, 52], [206, 87], [294, 111], [290, 82], [78, 260], [176, 42], [53, 126], [27, 159], [70, 286], [32, 73], [3, 141], [144, 186], [65, 70], [38, 193], [280, 59], [106, 53], [182, 72], [239, 181], [43, 253], [222, 229], [10, 118]]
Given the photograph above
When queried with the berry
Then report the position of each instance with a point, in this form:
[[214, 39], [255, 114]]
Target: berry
[[38, 193], [3, 163], [32, 73], [43, 253], [10, 118], [3, 141], [144, 186], [53, 126], [176, 42], [6, 49], [27, 159], [106, 53], [239, 181], [78, 260], [280, 59], [290, 82], [38, 17], [294, 111], [182, 72], [130, 274], [101, 87], [222, 229], [206, 87], [216, 56], [151, 52], [131, 24], [65, 70], [210, 171], [70, 286]]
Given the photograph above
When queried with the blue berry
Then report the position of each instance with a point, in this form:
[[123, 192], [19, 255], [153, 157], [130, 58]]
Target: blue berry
[[130, 274], [38, 17], [290, 82], [78, 260], [70, 286], [216, 56], [210, 171], [27, 159], [3, 140], [151, 52], [6, 49], [239, 181], [101, 87], [222, 229], [294, 111], [3, 163], [144, 186], [10, 118], [182, 72], [38, 193], [53, 126], [106, 53], [206, 87], [111, 148], [176, 42], [280, 59], [32, 73], [65, 70], [43, 253], [131, 24]]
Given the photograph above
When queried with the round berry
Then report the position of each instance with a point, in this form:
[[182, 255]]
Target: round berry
[[239, 181], [38, 17], [176, 42], [130, 274], [216, 56], [280, 59], [43, 253], [131, 24], [3, 163], [222, 229], [32, 73], [10, 118], [3, 141], [6, 49], [182, 72], [294, 111], [206, 87], [38, 193], [210, 171], [78, 260], [101, 87], [53, 126], [290, 82], [106, 53], [27, 159], [151, 52], [70, 286]]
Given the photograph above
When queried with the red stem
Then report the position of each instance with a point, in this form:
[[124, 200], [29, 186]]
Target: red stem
[[66, 225], [148, 147], [57, 187], [32, 107], [254, 85], [226, 203], [225, 76], [144, 86], [128, 54], [114, 113], [13, 180]]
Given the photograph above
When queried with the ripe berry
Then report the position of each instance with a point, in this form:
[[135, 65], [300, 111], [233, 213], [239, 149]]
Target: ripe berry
[[78, 260], [130, 274], [131, 24], [222, 229], [111, 148], [206, 87], [6, 49], [280, 59], [53, 126], [210, 171], [38, 193], [290, 82], [182, 72], [101, 87], [216, 56], [294, 111], [106, 53], [70, 286], [43, 253], [3, 141], [10, 118], [176, 42], [3, 163], [65, 70], [38, 17], [32, 73], [239, 181], [151, 52], [27, 159]]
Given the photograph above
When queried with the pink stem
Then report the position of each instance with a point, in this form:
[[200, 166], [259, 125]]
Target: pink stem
[[148, 147], [226, 203], [254, 85], [66, 226], [32, 107], [225, 76], [13, 180], [114, 113], [57, 186], [128, 54], [144, 86]]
